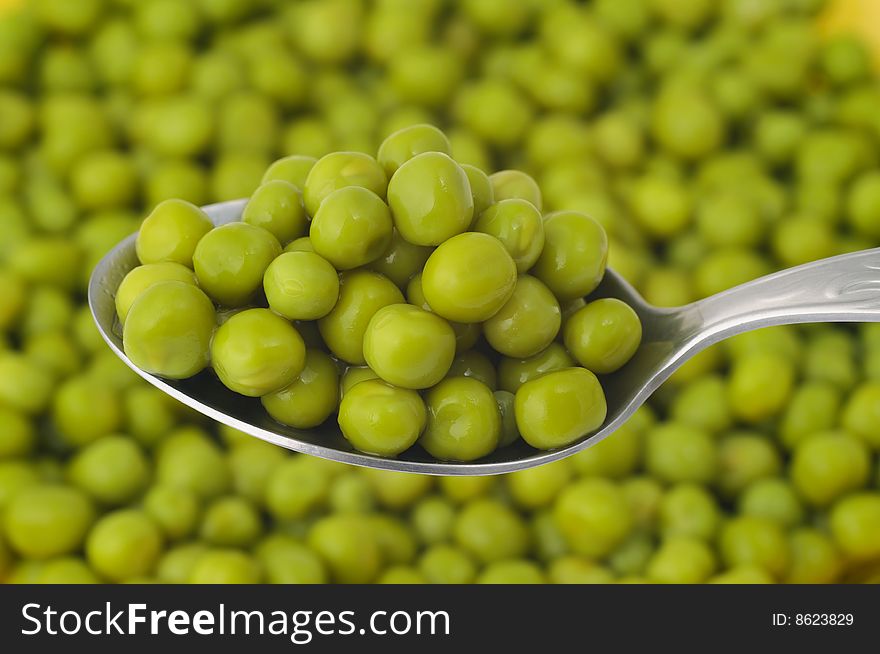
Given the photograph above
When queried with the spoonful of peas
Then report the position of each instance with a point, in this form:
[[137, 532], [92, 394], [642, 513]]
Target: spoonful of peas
[[844, 288]]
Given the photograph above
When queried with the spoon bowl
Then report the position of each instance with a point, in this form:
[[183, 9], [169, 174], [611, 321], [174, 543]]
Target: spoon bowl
[[845, 288]]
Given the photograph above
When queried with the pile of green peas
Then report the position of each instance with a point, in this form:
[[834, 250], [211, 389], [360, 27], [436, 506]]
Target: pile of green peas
[[327, 247], [713, 141]]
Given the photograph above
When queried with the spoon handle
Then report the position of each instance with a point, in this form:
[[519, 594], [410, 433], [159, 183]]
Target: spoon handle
[[845, 288]]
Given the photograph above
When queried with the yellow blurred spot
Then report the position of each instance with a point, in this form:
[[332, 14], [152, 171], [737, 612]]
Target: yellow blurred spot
[[859, 17], [6, 5]]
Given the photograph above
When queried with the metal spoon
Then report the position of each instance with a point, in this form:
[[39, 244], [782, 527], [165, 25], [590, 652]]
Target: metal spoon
[[845, 288]]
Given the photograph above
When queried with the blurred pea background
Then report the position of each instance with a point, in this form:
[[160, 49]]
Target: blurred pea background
[[715, 140]]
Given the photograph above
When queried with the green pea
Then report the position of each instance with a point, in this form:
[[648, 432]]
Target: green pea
[[108, 369], [473, 363], [490, 531], [572, 262], [351, 493], [743, 574], [513, 373], [84, 410], [826, 466], [66, 570], [124, 544], [397, 490], [348, 546], [801, 239], [354, 375], [177, 179], [661, 206], [409, 347], [406, 143], [447, 564], [277, 207], [174, 510], [481, 189], [47, 260], [230, 261], [578, 570], [161, 68], [863, 204], [527, 323], [230, 522], [352, 227], [248, 123], [759, 386], [19, 435], [171, 233], [251, 463], [287, 561], [743, 458], [773, 499], [256, 352], [855, 523], [703, 404], [18, 119], [225, 566], [726, 219], [48, 309], [401, 574], [463, 422], [430, 199], [494, 110], [149, 414], [292, 169], [559, 407], [468, 278], [861, 413], [515, 184], [681, 561], [748, 540], [41, 520], [830, 356], [461, 489], [687, 123], [311, 398], [432, 520], [538, 487], [518, 225], [141, 278], [24, 386], [301, 286], [814, 558], [295, 488], [619, 139], [361, 295], [593, 516], [401, 260], [339, 170], [310, 137], [680, 453], [168, 330], [301, 244], [177, 563], [396, 543], [514, 571], [112, 470], [603, 335], [611, 457], [190, 460], [509, 431], [378, 418], [689, 511]]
